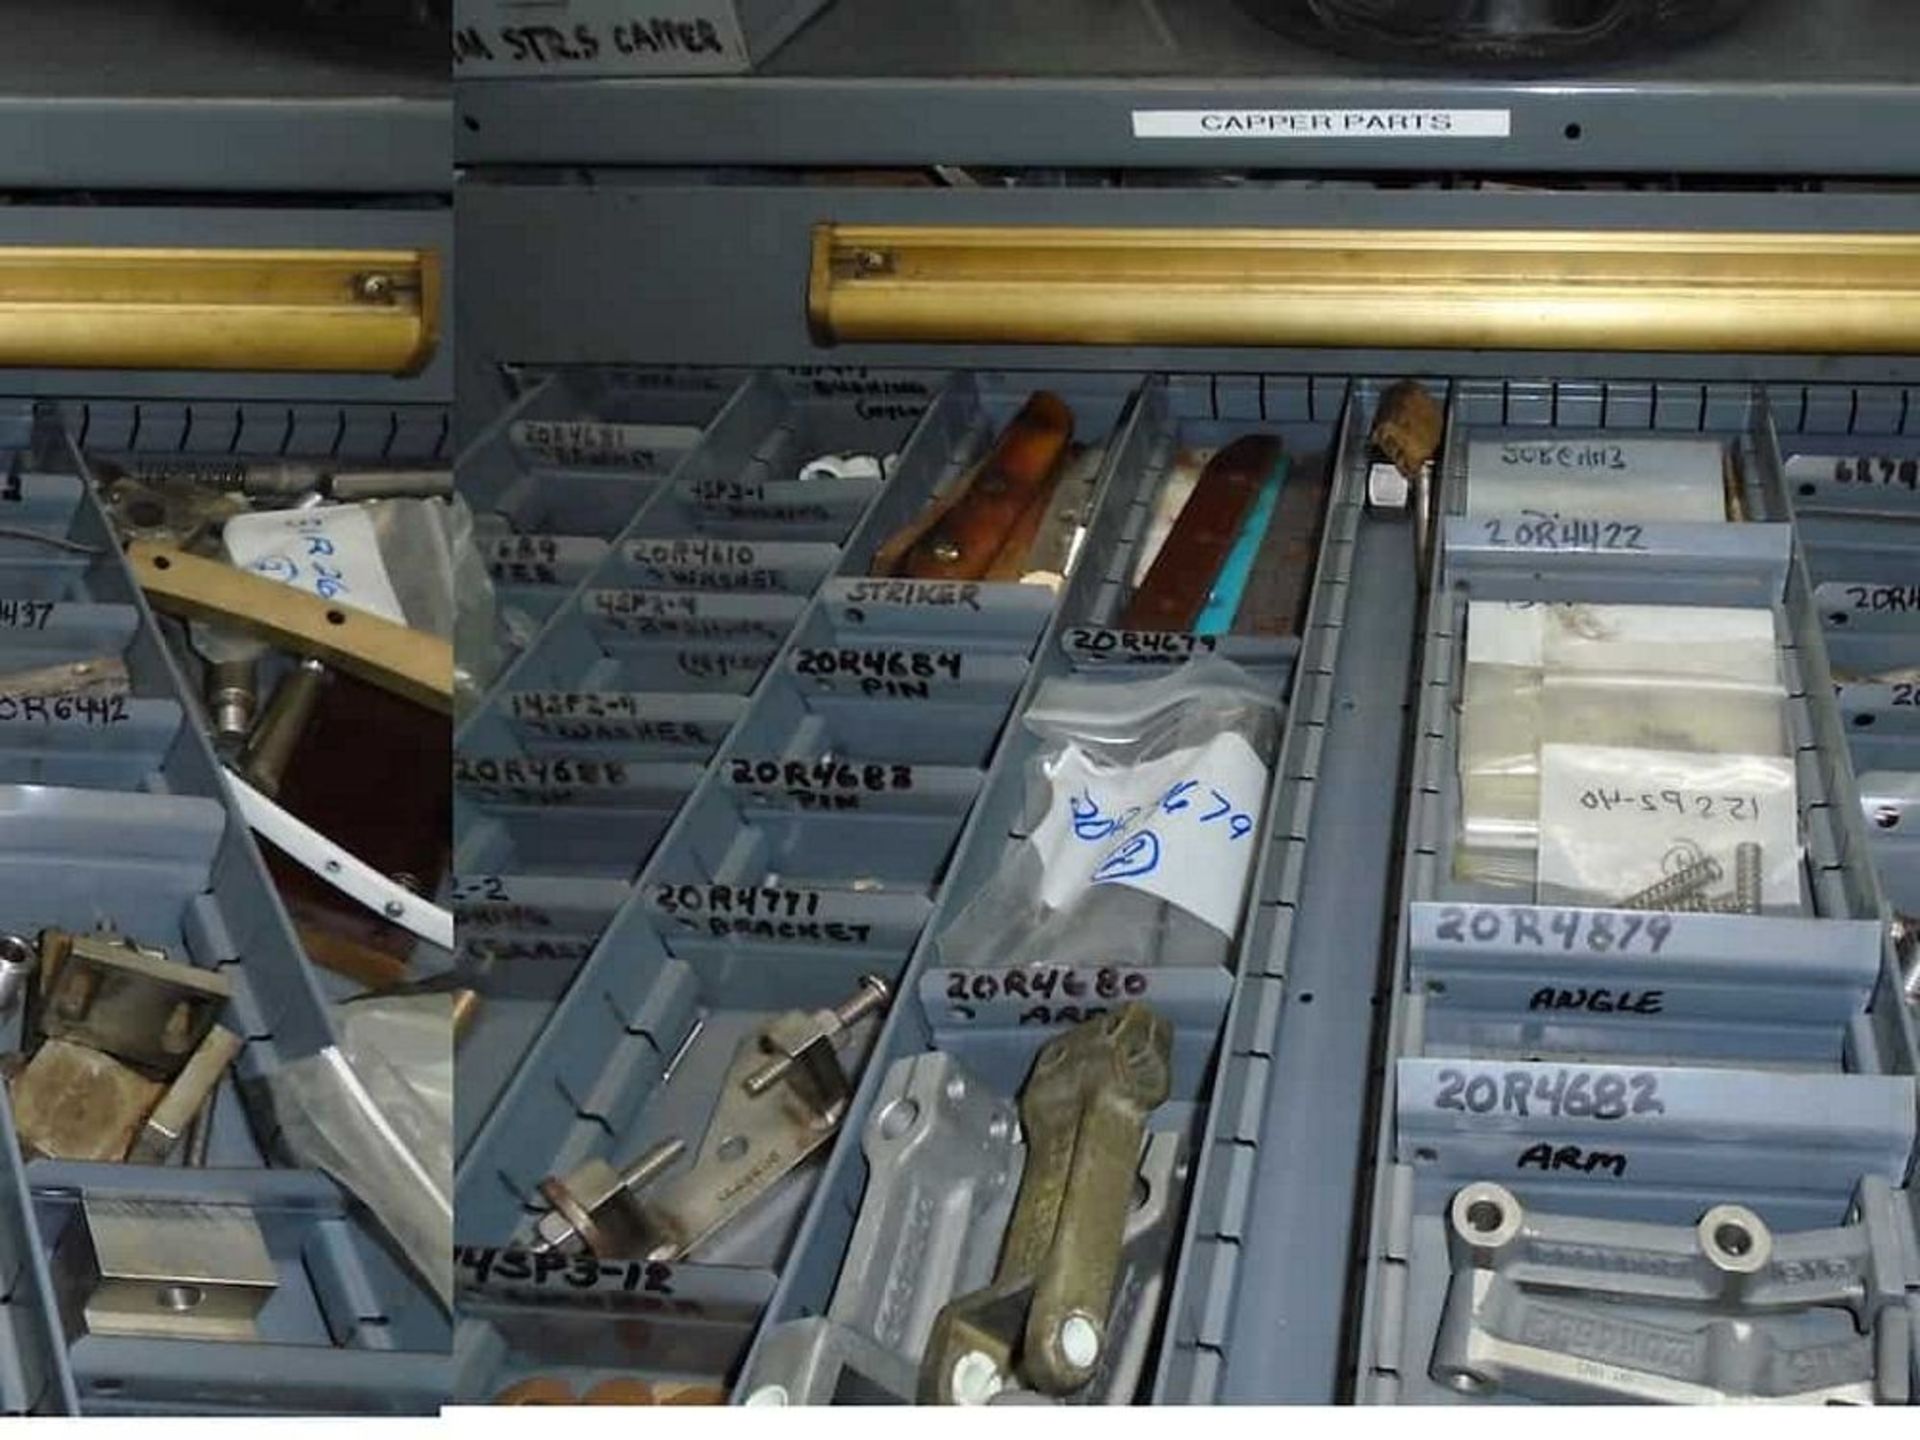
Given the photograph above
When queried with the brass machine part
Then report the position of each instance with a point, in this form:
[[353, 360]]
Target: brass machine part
[[411, 663], [186, 1099], [104, 677], [784, 1096], [361, 311], [282, 725], [126, 1000], [71, 1102], [1408, 425], [1661, 291], [1043, 1320]]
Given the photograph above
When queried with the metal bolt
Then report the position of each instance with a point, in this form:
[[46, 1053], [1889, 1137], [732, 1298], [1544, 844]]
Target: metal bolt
[[975, 1379], [1681, 885], [651, 1165], [1746, 876], [871, 262], [947, 552], [1079, 1340], [376, 287], [874, 993]]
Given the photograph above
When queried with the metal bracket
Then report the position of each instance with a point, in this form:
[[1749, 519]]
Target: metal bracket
[[1565, 1308], [772, 1115]]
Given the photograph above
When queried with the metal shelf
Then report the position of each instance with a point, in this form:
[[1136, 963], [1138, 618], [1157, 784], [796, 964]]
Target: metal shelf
[[1795, 89], [183, 96]]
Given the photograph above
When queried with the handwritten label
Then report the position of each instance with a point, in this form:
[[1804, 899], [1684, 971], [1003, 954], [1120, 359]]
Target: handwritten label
[[588, 443], [1598, 931], [936, 593], [490, 770], [25, 614], [1877, 472], [1058, 995], [821, 784], [1882, 599], [1135, 647], [90, 711], [330, 551], [1689, 804], [501, 917], [1596, 477], [1179, 827], [718, 899], [721, 666], [1616, 820], [899, 674], [493, 947], [677, 613], [1555, 1159], [600, 39], [1534, 530], [1402, 124], [1558, 1093], [1598, 1001], [630, 1286]]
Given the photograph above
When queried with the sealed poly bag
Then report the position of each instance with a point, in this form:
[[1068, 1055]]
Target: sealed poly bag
[[1615, 822], [1145, 804]]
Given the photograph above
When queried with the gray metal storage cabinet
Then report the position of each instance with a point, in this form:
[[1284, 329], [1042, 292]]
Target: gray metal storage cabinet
[[696, 252], [177, 127]]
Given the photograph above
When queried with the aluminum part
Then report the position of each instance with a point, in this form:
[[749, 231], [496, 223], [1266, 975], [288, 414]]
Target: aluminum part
[[165, 1269], [1729, 1260]]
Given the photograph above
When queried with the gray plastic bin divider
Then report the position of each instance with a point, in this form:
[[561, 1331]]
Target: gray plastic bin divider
[[159, 852], [755, 900], [648, 660], [1667, 1139], [991, 1041]]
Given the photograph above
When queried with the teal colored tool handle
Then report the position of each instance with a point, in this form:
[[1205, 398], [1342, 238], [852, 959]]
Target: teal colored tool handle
[[1223, 601]]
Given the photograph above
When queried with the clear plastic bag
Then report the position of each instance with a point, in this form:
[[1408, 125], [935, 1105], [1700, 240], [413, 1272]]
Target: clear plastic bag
[[1616, 822], [375, 1112], [1145, 805], [1694, 679]]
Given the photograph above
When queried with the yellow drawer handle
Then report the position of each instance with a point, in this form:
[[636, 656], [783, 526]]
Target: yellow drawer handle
[[1439, 289], [366, 311]]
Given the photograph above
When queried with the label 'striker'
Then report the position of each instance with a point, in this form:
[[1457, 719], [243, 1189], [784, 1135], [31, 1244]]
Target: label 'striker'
[[1322, 124]]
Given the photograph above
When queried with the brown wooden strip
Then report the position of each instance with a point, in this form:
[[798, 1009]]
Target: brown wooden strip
[[1175, 588], [961, 544]]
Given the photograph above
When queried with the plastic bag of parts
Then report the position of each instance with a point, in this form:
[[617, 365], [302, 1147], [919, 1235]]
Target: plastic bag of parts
[[375, 1113], [1671, 831], [1143, 811], [1651, 677]]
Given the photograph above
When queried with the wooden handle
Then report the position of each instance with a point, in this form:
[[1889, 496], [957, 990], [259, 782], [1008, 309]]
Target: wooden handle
[[408, 662], [961, 545]]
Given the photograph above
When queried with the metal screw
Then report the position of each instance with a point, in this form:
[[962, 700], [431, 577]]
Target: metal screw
[[871, 262], [376, 287], [947, 552], [1682, 885], [1746, 877], [874, 993], [393, 909]]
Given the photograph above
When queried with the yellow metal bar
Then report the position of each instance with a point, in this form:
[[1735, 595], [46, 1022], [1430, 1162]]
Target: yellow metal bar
[[1453, 289], [369, 311]]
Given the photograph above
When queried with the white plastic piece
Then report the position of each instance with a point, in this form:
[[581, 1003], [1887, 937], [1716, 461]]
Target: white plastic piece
[[342, 869]]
